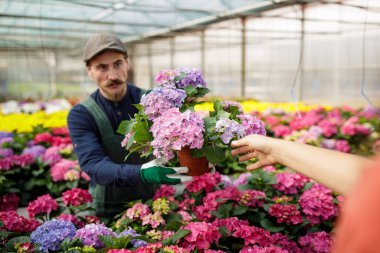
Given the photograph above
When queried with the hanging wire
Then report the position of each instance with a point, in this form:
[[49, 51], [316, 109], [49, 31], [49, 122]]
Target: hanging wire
[[300, 60], [362, 90]]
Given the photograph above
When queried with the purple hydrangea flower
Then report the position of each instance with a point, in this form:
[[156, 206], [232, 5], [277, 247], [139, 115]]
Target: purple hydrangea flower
[[229, 129], [132, 233], [5, 152], [5, 134], [191, 77], [50, 234], [90, 235], [5, 140], [252, 125], [35, 151], [162, 99]]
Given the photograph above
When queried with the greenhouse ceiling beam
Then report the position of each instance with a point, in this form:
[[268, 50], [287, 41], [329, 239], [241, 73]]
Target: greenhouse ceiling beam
[[39, 28], [199, 23], [98, 22]]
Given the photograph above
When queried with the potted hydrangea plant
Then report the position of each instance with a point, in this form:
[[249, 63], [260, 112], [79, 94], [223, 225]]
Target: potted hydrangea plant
[[168, 127]]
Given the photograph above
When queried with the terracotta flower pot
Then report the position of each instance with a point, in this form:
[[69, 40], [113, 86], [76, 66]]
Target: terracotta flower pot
[[197, 166]]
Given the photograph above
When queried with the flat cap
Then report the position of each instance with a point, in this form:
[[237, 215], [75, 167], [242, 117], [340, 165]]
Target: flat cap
[[100, 43]]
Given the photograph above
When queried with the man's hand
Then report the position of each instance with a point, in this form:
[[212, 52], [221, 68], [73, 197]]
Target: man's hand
[[154, 172]]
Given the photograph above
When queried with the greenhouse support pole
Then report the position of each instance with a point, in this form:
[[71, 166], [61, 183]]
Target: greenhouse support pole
[[150, 66], [243, 56], [202, 52], [302, 47], [172, 51]]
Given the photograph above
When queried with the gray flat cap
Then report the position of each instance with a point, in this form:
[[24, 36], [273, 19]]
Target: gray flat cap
[[101, 43]]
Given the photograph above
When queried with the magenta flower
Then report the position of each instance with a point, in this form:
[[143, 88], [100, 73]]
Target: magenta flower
[[286, 214], [257, 249], [43, 204], [342, 146], [76, 197], [202, 235], [138, 210], [318, 242], [59, 169], [317, 203], [69, 217], [164, 191], [207, 182], [289, 183]]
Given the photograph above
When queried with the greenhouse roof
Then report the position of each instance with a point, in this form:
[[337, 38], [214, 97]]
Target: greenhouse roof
[[66, 24]]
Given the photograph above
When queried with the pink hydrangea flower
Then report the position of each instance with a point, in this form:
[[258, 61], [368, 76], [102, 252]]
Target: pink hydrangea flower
[[342, 146], [16, 223], [76, 197], [257, 249], [69, 217], [318, 242], [317, 203], [43, 204], [202, 235], [289, 183], [286, 214], [59, 169], [9, 202], [164, 191], [154, 220], [207, 182], [138, 210]]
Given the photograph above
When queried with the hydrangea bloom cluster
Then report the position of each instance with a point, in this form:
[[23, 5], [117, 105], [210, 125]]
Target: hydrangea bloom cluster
[[252, 198], [138, 210], [36, 151], [50, 234], [164, 191], [229, 129], [317, 203], [286, 214], [202, 235], [5, 152], [76, 197], [162, 99], [132, 233], [16, 160], [252, 125], [16, 223], [316, 242], [59, 169], [69, 217], [153, 219], [89, 235], [174, 130], [43, 204], [289, 183], [227, 105], [205, 182], [161, 205], [9, 202], [181, 77]]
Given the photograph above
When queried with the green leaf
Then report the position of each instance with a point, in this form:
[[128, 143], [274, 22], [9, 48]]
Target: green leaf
[[190, 91], [121, 242], [126, 126], [176, 237], [239, 210], [173, 225], [107, 240], [196, 152], [223, 211], [224, 231], [217, 106], [268, 225], [214, 154], [223, 114], [202, 91]]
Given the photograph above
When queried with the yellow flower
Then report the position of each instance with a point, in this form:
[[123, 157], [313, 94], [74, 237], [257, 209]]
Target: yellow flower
[[161, 205]]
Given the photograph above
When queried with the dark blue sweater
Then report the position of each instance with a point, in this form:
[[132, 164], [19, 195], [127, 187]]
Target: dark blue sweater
[[86, 139]]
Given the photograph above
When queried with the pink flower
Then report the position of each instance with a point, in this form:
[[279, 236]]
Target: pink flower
[[342, 146], [42, 138], [207, 182], [253, 235], [69, 217], [92, 219], [289, 183], [16, 223], [281, 130], [76, 197], [154, 220], [202, 235], [286, 214], [126, 139], [185, 216], [164, 191], [72, 175], [329, 128], [138, 210], [63, 131], [317, 203], [59, 170], [257, 249], [25, 247], [43, 204], [318, 242], [252, 198], [233, 224]]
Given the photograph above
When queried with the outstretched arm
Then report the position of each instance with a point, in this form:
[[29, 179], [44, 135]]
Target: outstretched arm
[[336, 170]]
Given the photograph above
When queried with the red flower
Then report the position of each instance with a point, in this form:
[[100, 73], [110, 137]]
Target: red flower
[[9, 202], [76, 197], [62, 131], [92, 219], [43, 137], [24, 247], [16, 223], [43, 204], [69, 217]]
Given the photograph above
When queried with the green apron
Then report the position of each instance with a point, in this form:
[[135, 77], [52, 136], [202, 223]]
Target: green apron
[[110, 200]]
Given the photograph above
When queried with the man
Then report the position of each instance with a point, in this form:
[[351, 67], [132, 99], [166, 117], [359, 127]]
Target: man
[[93, 124]]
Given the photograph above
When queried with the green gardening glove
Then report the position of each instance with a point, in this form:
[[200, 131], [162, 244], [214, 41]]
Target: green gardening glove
[[154, 173]]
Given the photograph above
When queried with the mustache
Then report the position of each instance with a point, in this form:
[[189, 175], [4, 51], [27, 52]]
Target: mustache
[[115, 82]]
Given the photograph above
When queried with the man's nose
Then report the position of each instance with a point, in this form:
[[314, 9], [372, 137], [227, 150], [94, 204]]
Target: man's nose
[[112, 74]]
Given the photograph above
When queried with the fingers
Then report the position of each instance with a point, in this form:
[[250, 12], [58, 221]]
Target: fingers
[[254, 166], [241, 150], [183, 178], [181, 170], [247, 156]]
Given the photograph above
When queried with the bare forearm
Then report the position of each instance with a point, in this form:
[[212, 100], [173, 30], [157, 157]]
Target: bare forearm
[[336, 170]]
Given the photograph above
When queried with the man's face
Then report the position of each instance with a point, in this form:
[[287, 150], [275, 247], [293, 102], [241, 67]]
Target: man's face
[[110, 72]]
